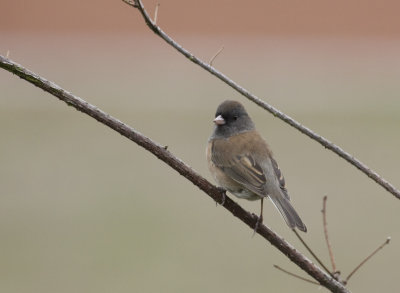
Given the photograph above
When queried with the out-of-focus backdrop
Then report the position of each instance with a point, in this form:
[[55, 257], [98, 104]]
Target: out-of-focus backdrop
[[83, 209]]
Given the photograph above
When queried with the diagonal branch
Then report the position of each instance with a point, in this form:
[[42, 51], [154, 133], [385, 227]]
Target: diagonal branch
[[163, 154], [296, 276], [312, 253], [323, 141], [366, 259]]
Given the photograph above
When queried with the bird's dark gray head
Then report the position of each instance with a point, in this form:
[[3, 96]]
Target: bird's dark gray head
[[231, 118]]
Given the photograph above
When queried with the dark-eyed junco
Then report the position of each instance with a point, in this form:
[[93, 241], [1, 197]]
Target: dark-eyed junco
[[242, 163]]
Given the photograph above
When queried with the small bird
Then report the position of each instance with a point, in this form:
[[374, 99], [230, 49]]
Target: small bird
[[241, 162]]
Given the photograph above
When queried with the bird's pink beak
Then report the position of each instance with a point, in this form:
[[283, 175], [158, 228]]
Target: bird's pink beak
[[219, 120]]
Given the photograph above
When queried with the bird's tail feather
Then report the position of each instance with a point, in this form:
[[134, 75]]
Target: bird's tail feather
[[288, 212]]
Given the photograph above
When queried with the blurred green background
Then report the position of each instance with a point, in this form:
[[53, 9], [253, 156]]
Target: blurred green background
[[82, 209]]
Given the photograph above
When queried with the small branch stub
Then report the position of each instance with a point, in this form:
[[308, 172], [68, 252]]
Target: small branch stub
[[156, 13], [215, 56]]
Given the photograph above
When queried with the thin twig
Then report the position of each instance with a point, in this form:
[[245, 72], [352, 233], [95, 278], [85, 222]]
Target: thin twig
[[296, 276], [163, 154], [156, 13], [313, 135], [215, 56], [366, 259], [326, 234], [312, 253], [130, 3]]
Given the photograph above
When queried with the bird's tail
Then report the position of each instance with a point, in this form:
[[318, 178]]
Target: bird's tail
[[288, 212]]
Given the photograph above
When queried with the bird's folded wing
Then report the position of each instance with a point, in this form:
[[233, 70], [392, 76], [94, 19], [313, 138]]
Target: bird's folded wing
[[248, 164], [280, 178], [243, 168]]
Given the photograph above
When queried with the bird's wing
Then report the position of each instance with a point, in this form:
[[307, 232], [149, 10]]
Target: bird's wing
[[241, 162], [280, 178]]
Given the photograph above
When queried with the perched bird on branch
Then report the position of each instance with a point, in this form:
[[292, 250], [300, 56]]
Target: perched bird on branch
[[241, 162]]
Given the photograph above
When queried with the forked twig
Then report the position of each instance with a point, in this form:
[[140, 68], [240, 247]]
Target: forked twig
[[326, 234], [365, 260], [296, 276]]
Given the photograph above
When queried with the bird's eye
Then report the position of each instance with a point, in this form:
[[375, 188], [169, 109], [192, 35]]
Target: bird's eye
[[235, 118]]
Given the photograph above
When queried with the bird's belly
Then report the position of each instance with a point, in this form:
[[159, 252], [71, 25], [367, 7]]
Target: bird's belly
[[246, 194]]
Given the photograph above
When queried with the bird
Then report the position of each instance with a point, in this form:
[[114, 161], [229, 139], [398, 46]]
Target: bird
[[242, 163]]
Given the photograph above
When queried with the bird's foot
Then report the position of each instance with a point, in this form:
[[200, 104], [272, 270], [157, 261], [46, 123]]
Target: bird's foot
[[258, 223], [223, 192]]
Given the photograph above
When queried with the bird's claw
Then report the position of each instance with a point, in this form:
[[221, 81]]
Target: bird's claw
[[223, 192], [258, 223]]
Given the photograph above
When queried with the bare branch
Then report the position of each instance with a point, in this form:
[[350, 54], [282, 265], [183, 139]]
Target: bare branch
[[163, 154], [326, 234], [296, 276], [366, 259], [313, 135]]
